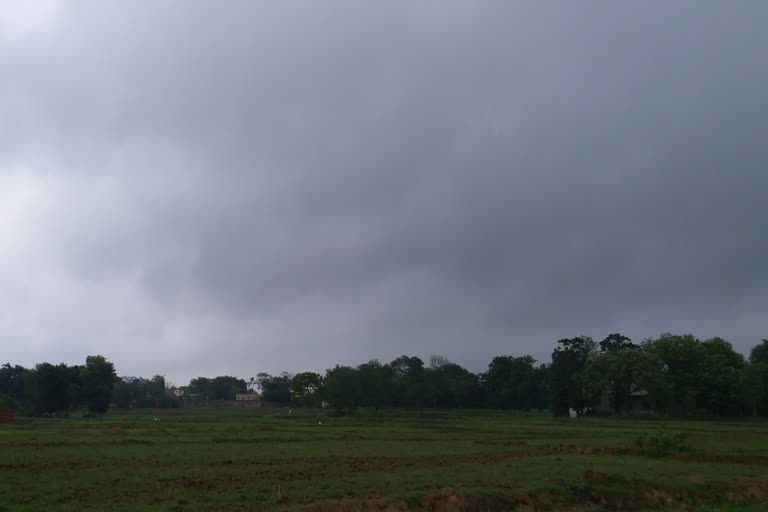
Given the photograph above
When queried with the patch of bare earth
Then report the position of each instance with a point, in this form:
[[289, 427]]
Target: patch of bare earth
[[663, 498]]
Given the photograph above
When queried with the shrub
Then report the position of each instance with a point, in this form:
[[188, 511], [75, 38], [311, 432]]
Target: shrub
[[6, 402], [662, 442]]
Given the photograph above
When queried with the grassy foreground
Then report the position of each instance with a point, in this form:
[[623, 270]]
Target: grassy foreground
[[243, 460]]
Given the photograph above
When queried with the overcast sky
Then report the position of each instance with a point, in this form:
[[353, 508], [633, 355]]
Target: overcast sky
[[227, 187]]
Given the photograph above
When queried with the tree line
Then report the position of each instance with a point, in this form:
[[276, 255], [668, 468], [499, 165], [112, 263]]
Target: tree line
[[672, 374], [49, 388]]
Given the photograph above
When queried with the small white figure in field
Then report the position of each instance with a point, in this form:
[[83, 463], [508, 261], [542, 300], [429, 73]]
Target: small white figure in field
[[290, 411], [157, 419], [319, 422]]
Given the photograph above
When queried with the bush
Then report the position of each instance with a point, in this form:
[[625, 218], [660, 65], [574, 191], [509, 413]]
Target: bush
[[6, 402], [662, 442]]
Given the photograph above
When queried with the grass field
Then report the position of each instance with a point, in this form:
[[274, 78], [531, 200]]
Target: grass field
[[262, 459]]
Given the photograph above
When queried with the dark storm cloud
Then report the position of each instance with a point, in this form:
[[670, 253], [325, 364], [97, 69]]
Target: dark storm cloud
[[349, 181]]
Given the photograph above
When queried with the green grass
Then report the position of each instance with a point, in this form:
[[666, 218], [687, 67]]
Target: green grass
[[263, 459]]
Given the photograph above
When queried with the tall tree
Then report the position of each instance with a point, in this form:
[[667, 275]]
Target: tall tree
[[682, 357], [225, 387], [759, 353], [12, 382], [449, 385], [53, 388], [566, 385], [752, 390], [616, 341], [514, 383], [98, 380], [624, 374], [410, 382], [342, 388], [305, 389], [719, 381], [276, 388], [377, 384], [201, 386]]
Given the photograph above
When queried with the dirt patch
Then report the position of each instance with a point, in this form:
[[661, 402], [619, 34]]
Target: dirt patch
[[155, 431], [724, 458], [367, 504], [661, 498], [590, 475], [743, 489], [493, 442], [237, 508], [442, 500], [190, 482], [448, 500], [665, 498], [116, 430]]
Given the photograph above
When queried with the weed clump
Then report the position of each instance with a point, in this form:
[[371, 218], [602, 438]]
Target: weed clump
[[663, 442]]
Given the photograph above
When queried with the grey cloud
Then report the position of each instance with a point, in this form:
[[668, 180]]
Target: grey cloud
[[355, 180]]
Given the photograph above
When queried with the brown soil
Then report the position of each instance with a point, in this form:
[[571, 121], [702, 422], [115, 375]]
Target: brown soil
[[742, 489], [590, 475], [496, 442], [442, 500], [725, 458], [154, 431], [448, 500]]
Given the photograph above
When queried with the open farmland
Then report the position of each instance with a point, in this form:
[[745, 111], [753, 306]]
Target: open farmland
[[261, 459]]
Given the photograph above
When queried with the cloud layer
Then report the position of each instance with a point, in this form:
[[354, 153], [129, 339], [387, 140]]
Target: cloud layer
[[191, 188]]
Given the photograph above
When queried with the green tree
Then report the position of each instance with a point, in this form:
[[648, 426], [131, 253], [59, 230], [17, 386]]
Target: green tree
[[12, 382], [753, 381], [514, 383], [98, 381], [225, 387], [201, 386], [719, 376], [122, 393], [624, 374], [377, 384], [276, 388], [139, 392], [52, 387], [342, 389], [449, 385], [702, 376], [409, 381], [682, 357], [305, 389], [752, 390], [566, 384], [616, 341], [759, 353], [6, 402]]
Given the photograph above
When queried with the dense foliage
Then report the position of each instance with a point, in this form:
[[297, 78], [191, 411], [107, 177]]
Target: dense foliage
[[48, 389], [218, 388], [677, 375]]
